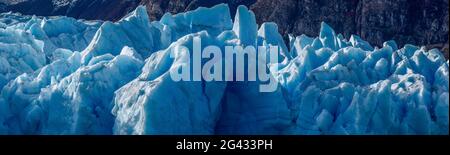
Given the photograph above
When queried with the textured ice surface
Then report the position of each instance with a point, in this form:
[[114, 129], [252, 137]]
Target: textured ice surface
[[59, 75], [29, 43]]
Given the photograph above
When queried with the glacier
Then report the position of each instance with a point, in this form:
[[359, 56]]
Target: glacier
[[60, 75]]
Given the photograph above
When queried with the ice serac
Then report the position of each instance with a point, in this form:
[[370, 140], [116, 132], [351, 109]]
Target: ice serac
[[134, 31], [359, 89], [59, 75], [245, 110], [28, 42], [155, 104], [23, 54], [22, 93], [84, 97], [55, 32], [64, 32], [356, 41], [65, 99], [215, 20], [269, 36], [199, 107], [31, 98], [20, 53], [245, 26], [328, 36]]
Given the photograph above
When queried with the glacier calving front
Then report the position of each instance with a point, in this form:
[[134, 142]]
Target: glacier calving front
[[59, 75]]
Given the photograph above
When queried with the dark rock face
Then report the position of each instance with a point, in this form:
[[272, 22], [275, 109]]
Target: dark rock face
[[101, 9], [423, 22], [304, 16], [419, 22], [157, 8], [80, 9], [2, 7]]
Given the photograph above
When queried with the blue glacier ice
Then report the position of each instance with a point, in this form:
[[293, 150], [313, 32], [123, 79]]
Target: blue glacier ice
[[29, 43], [59, 75]]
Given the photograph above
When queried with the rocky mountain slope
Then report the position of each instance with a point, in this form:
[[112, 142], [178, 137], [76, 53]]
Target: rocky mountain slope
[[84, 9]]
